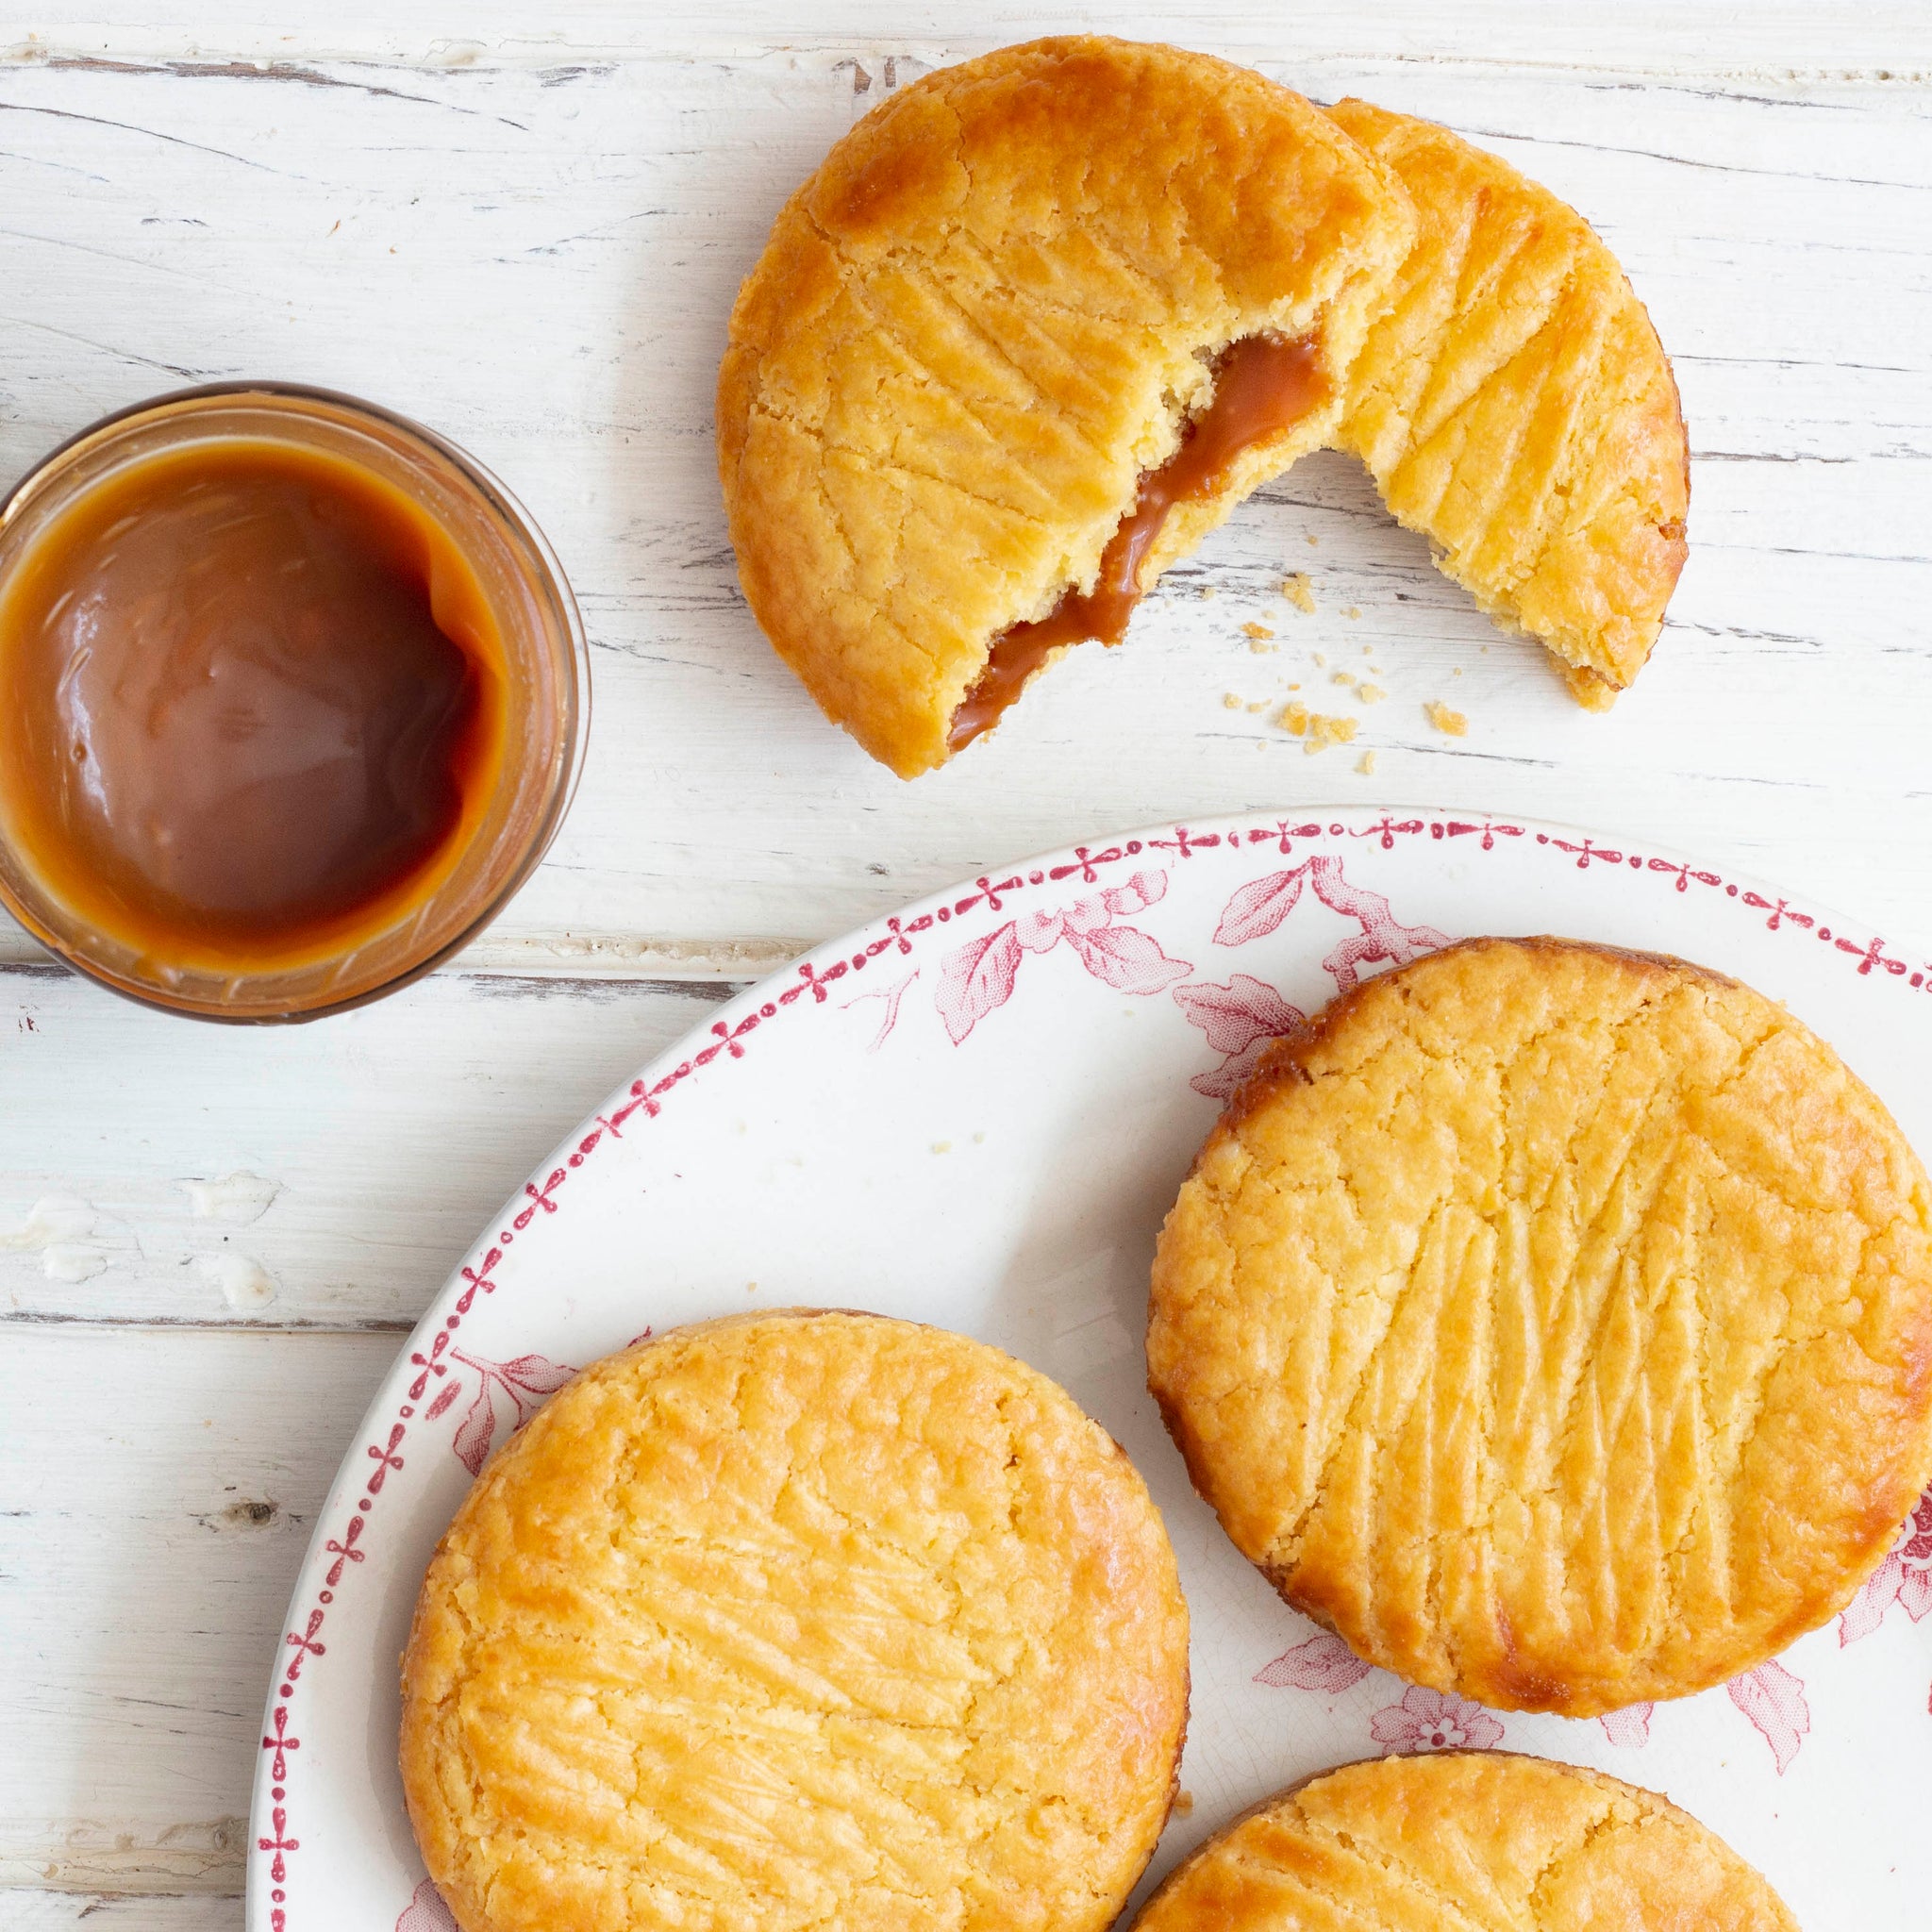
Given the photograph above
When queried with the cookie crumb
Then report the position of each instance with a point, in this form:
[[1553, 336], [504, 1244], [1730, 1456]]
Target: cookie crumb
[[1366, 764], [1208, 593], [1229, 702], [1183, 1803], [1255, 630], [1451, 724], [1259, 704], [1317, 731], [941, 1146], [1314, 542], [1321, 662], [1351, 611], [1369, 693], [1298, 592], [1347, 677], [1260, 649]]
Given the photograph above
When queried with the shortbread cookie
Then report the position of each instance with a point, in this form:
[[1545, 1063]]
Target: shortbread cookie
[[1482, 1841], [1007, 301], [1554, 1323], [793, 1622], [1514, 405]]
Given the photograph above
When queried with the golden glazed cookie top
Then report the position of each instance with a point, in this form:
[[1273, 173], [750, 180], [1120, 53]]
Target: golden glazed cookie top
[[985, 316], [1480, 1840], [1514, 404], [790, 1621], [1555, 1323]]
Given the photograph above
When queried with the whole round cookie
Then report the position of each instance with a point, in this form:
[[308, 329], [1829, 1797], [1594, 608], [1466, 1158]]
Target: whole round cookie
[[1554, 1323], [1035, 326], [1513, 403], [796, 1620], [1481, 1840]]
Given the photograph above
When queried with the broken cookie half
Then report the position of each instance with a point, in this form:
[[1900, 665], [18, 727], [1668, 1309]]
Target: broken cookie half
[[1034, 328], [1513, 403]]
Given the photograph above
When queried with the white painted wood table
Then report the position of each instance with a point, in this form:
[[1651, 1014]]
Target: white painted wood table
[[524, 225]]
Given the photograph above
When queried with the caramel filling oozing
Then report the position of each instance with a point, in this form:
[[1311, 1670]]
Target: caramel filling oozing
[[1262, 385]]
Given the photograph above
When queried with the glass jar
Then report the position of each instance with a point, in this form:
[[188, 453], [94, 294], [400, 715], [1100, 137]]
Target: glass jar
[[543, 672]]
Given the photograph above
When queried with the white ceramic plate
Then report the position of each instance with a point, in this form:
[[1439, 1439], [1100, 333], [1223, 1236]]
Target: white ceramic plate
[[975, 1114]]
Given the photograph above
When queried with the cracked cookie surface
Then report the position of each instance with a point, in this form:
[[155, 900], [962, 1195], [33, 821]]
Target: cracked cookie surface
[[994, 306], [797, 1621], [1554, 1323], [1459, 1841], [1513, 404]]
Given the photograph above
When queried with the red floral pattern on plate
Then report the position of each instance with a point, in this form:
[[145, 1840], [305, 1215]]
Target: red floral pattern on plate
[[1433, 1720], [1323, 1664], [1628, 1728], [1774, 1700], [426, 1912], [1259, 907], [979, 975], [891, 995], [1904, 1579], [1239, 1019], [1772, 1697], [520, 1386]]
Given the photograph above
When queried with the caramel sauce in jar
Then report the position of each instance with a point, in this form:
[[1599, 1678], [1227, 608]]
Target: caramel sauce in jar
[[254, 698], [272, 701], [1263, 385]]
